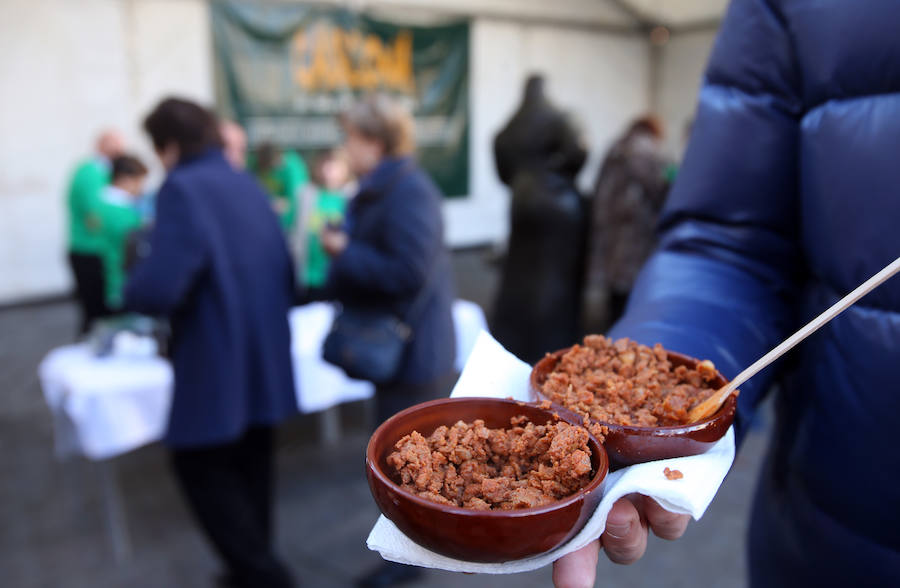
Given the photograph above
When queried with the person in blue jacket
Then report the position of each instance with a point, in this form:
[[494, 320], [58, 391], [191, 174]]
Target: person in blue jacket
[[219, 268], [391, 249], [788, 198]]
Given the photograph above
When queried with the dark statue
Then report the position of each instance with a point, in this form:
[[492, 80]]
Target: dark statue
[[538, 155]]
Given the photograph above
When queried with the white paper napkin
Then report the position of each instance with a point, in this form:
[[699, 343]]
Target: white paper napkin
[[493, 371]]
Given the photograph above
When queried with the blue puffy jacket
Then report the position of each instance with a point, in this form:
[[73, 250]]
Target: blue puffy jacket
[[788, 198]]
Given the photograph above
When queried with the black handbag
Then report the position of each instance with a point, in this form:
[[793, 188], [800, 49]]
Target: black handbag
[[369, 344]]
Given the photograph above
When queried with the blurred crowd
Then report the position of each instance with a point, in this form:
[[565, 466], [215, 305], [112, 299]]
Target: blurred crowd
[[110, 209], [233, 237], [227, 244]]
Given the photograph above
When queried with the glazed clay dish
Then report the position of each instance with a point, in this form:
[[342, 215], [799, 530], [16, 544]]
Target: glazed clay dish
[[636, 398], [523, 465], [483, 479]]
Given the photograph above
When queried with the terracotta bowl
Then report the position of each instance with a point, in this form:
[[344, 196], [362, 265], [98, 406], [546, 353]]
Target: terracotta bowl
[[473, 535], [628, 445]]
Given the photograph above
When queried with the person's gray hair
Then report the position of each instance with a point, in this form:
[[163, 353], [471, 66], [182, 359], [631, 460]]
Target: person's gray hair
[[382, 118]]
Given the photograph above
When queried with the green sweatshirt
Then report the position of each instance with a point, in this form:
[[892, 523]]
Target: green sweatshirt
[[329, 208], [118, 218], [84, 195], [283, 184]]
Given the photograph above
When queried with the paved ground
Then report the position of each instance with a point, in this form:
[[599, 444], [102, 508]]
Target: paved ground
[[52, 531]]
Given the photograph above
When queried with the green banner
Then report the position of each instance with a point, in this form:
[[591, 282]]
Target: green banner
[[284, 71]]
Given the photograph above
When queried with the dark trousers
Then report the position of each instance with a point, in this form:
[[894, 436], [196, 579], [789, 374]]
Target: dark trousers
[[307, 295], [90, 288], [229, 489]]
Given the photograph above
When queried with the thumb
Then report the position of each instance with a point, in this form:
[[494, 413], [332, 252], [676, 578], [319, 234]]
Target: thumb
[[577, 569]]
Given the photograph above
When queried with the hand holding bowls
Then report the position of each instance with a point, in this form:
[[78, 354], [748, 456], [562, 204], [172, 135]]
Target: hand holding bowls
[[476, 535]]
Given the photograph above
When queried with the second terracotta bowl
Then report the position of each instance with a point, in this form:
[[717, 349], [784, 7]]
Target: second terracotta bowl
[[629, 445], [475, 535]]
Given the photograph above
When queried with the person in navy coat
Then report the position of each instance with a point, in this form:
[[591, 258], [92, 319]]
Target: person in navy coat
[[789, 197], [391, 251], [392, 248], [219, 269]]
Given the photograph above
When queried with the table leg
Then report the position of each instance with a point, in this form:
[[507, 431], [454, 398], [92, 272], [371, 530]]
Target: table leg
[[72, 480], [330, 426], [116, 523]]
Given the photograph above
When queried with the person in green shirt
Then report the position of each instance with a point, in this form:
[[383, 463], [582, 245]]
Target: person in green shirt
[[282, 174], [119, 217], [327, 209], [84, 240]]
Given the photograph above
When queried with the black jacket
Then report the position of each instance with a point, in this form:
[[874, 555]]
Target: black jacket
[[538, 155]]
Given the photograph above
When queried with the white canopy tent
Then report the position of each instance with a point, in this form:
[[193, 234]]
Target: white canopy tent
[[678, 15], [611, 14]]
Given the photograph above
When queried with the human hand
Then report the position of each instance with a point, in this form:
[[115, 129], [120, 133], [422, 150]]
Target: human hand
[[624, 540], [334, 241], [92, 222], [280, 205]]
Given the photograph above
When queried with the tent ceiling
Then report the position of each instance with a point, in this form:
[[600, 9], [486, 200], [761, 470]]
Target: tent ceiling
[[680, 13], [613, 15]]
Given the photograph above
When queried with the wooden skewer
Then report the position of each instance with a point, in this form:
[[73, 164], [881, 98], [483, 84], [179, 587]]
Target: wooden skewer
[[709, 406]]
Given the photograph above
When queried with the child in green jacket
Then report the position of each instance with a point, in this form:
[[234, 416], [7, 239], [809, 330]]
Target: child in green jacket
[[282, 174], [118, 217], [326, 209]]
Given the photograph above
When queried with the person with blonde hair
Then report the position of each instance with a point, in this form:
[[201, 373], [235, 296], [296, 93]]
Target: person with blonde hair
[[389, 260]]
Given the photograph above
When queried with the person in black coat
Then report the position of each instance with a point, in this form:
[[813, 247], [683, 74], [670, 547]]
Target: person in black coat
[[219, 269], [538, 155], [390, 249]]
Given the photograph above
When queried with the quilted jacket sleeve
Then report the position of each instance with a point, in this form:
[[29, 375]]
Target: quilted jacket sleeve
[[721, 284]]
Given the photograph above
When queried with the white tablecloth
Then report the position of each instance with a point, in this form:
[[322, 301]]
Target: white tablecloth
[[104, 407]]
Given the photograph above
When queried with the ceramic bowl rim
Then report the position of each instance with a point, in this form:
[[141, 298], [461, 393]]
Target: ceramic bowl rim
[[595, 484], [663, 431]]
